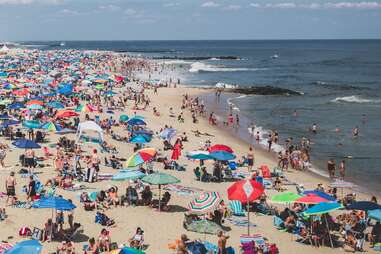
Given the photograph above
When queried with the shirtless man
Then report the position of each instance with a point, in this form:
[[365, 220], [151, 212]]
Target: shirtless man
[[10, 187], [222, 239], [181, 247]]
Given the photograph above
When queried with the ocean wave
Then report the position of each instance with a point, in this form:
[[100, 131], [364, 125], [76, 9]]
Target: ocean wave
[[176, 62], [354, 99], [202, 67], [225, 85], [198, 58]]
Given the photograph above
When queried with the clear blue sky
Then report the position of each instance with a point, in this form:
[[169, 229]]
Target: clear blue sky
[[188, 19]]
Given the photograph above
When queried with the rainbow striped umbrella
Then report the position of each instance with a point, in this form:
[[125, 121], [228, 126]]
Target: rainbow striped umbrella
[[51, 126], [85, 108], [141, 156], [207, 201]]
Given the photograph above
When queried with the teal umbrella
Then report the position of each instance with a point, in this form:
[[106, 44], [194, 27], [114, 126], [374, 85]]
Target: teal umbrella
[[123, 118], [160, 179], [32, 124], [375, 214], [322, 208]]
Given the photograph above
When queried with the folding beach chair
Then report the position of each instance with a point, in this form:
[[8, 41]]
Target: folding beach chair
[[278, 223], [236, 208]]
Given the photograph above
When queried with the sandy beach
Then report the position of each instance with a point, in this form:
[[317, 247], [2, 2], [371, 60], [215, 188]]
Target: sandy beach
[[160, 228]]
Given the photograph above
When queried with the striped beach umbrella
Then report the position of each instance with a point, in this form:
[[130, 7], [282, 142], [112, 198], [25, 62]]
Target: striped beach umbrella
[[205, 202], [85, 108], [141, 156], [51, 126]]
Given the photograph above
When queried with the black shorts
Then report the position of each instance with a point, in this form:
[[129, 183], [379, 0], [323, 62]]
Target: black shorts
[[29, 162], [250, 162], [11, 191]]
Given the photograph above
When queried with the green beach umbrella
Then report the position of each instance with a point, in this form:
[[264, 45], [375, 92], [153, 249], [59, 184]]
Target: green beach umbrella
[[286, 197], [160, 179], [204, 227], [32, 124], [123, 118]]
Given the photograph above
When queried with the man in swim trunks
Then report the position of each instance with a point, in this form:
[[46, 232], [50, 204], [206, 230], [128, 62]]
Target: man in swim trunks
[[331, 167], [10, 185], [222, 239]]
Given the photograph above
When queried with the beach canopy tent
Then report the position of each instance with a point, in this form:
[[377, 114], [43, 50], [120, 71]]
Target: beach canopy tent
[[26, 247], [89, 126]]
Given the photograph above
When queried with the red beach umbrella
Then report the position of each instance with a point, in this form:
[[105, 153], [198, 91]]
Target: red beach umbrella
[[66, 114], [21, 92], [311, 199], [219, 147], [245, 191], [35, 102]]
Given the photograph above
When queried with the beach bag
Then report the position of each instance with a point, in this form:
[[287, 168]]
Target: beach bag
[[24, 232]]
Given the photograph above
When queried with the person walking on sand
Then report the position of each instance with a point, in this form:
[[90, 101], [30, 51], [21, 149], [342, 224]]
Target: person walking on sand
[[222, 239], [331, 167], [10, 187], [176, 152], [250, 159], [342, 169]]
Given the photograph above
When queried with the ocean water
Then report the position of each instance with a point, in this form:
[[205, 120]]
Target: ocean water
[[340, 81]]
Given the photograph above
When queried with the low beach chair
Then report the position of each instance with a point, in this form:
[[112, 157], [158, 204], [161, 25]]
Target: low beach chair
[[236, 208]]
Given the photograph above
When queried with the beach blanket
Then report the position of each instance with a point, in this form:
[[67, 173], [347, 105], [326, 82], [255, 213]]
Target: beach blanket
[[105, 176], [257, 238], [181, 190], [240, 222], [4, 247]]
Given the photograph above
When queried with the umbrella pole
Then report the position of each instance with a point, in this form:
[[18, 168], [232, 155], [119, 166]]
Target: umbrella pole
[[329, 234], [248, 217], [51, 229], [159, 196]]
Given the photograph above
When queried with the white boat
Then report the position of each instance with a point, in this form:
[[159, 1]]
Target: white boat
[[62, 44], [275, 56]]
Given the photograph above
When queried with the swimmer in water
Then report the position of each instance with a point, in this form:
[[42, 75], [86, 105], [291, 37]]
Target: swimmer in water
[[295, 114], [364, 119], [355, 132], [314, 128], [337, 129]]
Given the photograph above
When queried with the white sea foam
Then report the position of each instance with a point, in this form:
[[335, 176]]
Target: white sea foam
[[354, 99], [176, 62], [225, 85], [203, 67]]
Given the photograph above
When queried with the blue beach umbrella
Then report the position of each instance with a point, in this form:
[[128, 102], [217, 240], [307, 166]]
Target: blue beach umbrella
[[4, 117], [222, 156], [140, 139], [322, 208], [199, 155], [16, 105], [7, 123], [127, 175], [65, 131], [320, 194], [136, 121], [26, 143], [65, 90], [35, 107], [26, 247], [55, 104], [375, 214], [57, 203], [364, 206]]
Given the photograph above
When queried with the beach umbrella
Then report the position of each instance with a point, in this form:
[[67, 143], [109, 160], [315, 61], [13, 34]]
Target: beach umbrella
[[311, 199], [66, 114], [322, 208], [26, 143], [363, 205], [55, 104], [140, 139], [32, 124], [4, 117], [56, 203], [65, 89], [285, 197], [375, 214], [85, 108], [168, 133], [16, 105], [129, 250], [204, 227], [123, 118], [127, 175], [320, 194], [109, 93], [7, 123], [246, 191], [140, 157], [99, 86], [160, 179], [51, 126], [219, 147], [21, 92], [9, 86], [38, 102], [35, 107], [136, 121], [205, 202], [65, 131], [5, 102], [26, 247], [199, 155], [222, 156]]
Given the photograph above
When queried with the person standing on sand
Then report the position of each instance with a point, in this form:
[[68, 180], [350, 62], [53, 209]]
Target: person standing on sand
[[331, 167], [10, 187], [176, 152], [270, 141], [250, 159], [342, 169], [222, 239]]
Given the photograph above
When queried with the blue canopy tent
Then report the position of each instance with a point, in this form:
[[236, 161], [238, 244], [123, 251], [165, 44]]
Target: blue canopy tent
[[140, 139], [65, 89], [26, 247], [26, 144], [136, 121]]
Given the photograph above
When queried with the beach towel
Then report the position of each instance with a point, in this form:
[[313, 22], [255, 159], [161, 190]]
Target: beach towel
[[240, 222], [182, 190], [257, 238], [4, 247], [104, 176], [236, 208]]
